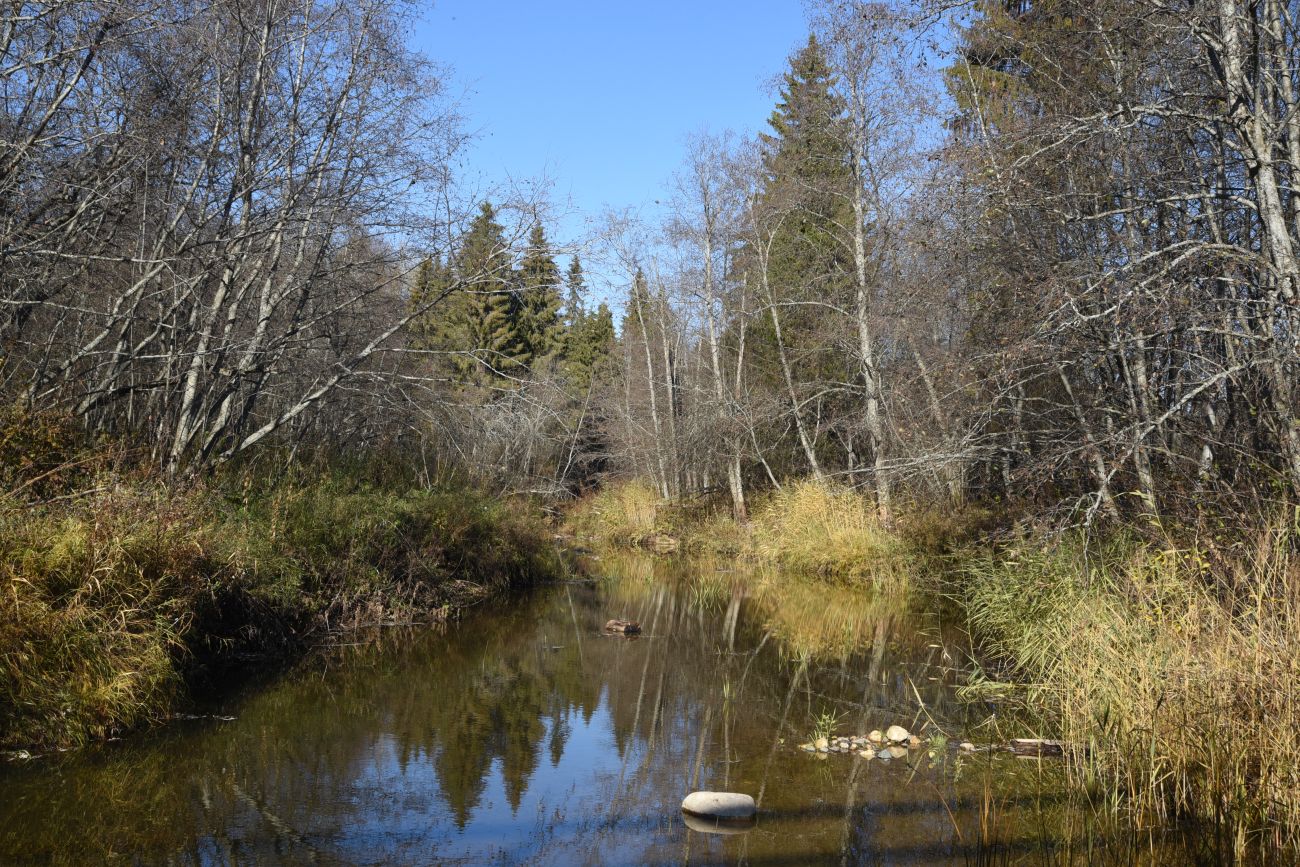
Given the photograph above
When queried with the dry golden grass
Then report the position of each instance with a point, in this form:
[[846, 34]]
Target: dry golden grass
[[1178, 669], [827, 531], [806, 528], [621, 514]]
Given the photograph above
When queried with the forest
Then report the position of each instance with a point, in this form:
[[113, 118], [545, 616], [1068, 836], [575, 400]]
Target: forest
[[1050, 265], [1004, 299]]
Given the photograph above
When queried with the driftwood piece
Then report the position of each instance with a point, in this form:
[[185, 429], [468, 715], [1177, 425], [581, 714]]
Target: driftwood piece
[[1036, 747]]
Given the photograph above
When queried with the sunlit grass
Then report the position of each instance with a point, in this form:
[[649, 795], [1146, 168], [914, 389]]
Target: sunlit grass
[[112, 595], [806, 528], [1177, 669], [826, 531], [622, 514]]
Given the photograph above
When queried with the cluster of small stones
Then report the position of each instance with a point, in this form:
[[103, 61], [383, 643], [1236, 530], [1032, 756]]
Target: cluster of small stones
[[893, 743], [896, 741]]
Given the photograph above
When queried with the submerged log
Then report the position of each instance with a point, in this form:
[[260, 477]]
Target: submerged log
[[660, 543], [1037, 747]]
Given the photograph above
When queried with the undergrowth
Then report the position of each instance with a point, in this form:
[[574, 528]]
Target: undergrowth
[[118, 589]]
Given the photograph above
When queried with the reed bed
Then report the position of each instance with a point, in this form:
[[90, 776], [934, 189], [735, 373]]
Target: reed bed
[[1173, 670]]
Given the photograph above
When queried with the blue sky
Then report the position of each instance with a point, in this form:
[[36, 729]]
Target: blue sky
[[599, 96]]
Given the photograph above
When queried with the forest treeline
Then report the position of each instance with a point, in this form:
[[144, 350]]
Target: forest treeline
[[1067, 286], [1037, 253]]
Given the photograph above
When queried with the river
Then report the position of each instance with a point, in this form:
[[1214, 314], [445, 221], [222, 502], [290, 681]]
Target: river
[[524, 735]]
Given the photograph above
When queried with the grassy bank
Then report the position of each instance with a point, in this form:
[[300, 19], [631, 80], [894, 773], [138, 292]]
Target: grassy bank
[[120, 591], [815, 530], [1177, 669], [1171, 661]]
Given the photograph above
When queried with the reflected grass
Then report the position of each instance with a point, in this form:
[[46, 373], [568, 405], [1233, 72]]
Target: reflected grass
[[823, 621]]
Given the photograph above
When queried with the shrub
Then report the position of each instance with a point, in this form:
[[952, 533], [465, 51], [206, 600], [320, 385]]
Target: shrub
[[827, 531]]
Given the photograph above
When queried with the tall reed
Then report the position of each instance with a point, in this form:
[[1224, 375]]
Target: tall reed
[[1173, 670]]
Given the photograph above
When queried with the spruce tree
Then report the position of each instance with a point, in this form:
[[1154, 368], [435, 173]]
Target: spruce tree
[[804, 200], [540, 329], [577, 290], [590, 343], [806, 157], [486, 322], [591, 366], [432, 279]]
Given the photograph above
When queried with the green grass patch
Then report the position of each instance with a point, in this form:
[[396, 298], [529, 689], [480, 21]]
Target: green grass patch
[[116, 592]]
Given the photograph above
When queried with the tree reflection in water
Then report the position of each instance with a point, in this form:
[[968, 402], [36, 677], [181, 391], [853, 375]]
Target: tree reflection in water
[[525, 734]]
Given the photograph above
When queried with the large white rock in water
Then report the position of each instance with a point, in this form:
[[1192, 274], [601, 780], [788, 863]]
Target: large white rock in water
[[896, 734], [719, 805]]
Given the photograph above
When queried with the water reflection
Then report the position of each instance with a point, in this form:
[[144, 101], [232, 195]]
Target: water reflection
[[528, 736]]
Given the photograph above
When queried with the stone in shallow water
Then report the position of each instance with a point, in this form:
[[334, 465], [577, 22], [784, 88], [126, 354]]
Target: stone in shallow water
[[897, 752], [897, 734], [719, 805], [875, 737]]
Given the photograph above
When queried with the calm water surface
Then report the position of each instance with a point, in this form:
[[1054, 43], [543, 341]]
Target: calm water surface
[[525, 736]]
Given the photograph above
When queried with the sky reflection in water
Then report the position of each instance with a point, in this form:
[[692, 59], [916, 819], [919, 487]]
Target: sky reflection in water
[[527, 736]]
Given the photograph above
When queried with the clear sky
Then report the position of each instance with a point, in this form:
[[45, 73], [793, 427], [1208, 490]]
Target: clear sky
[[598, 97]]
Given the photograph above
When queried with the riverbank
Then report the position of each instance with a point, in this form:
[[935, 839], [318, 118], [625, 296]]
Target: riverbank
[[1171, 661], [123, 592], [445, 744], [804, 528]]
